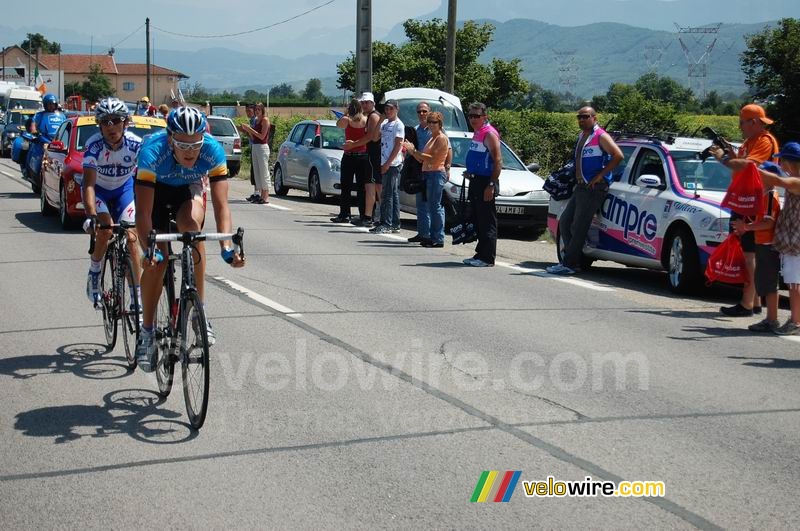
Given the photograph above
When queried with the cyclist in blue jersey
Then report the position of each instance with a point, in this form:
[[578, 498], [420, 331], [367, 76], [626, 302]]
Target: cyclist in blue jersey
[[109, 165], [171, 170]]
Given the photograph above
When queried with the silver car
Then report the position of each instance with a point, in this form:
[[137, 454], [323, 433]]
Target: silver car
[[521, 201], [310, 160], [224, 130]]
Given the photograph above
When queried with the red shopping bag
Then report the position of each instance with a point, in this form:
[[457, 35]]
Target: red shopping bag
[[726, 263], [745, 192]]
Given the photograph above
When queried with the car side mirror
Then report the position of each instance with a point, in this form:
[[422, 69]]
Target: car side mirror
[[57, 145], [649, 181], [534, 167], [307, 142]]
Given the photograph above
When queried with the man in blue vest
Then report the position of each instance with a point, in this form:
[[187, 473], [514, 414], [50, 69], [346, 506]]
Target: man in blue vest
[[596, 156]]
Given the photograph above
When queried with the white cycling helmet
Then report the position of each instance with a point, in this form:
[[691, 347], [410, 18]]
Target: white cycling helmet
[[186, 120], [109, 107]]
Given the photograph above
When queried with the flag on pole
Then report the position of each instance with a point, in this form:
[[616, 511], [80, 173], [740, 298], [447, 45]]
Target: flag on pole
[[39, 83]]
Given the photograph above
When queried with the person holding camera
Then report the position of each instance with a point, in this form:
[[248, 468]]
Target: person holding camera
[[759, 146]]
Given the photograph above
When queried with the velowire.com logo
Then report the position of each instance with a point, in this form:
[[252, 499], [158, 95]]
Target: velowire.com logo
[[495, 486]]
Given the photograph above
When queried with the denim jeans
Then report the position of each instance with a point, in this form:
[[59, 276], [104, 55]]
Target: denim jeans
[[390, 198], [423, 216], [434, 184], [577, 219]]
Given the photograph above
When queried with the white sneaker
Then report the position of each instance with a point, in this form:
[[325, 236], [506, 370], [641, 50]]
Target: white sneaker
[[93, 287], [146, 350]]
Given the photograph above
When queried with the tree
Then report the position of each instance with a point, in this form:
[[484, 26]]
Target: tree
[[771, 65], [284, 90], [313, 90], [643, 115], [97, 85], [420, 63], [666, 90], [34, 41]]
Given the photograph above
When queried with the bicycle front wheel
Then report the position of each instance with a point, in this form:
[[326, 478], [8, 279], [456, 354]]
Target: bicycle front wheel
[[194, 359], [165, 334], [108, 300], [129, 313]]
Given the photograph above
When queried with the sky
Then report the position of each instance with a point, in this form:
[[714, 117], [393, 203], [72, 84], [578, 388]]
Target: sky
[[120, 24]]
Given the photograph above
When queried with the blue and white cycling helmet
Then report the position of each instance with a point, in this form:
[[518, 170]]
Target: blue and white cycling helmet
[[50, 98], [110, 107], [186, 120]]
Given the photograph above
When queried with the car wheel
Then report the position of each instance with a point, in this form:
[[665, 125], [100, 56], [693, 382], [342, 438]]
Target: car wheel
[[314, 190], [35, 188], [280, 188], [67, 223], [586, 262], [44, 206], [683, 261]]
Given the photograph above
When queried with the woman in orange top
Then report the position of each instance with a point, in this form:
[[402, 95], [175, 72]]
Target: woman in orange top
[[433, 157]]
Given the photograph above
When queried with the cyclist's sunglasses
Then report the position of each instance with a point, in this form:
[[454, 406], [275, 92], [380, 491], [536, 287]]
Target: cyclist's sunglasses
[[111, 121], [188, 146]]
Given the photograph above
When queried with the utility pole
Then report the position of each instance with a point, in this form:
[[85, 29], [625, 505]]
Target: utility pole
[[147, 36], [363, 46], [450, 62], [698, 68]]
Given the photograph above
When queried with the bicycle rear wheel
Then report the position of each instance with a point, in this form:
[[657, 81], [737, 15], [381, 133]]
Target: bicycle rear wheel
[[108, 300], [129, 311], [165, 363], [194, 360]]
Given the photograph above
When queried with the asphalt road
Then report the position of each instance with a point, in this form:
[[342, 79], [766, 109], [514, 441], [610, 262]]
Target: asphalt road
[[362, 382]]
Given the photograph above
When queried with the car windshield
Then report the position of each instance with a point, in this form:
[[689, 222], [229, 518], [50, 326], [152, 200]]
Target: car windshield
[[221, 127], [332, 137], [695, 174], [17, 117], [31, 105], [461, 146], [85, 132], [454, 119]]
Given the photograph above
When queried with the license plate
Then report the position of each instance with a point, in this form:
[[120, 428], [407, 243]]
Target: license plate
[[518, 210]]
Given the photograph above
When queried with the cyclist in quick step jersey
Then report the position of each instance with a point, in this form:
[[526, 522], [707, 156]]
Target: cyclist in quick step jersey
[[109, 164], [172, 167]]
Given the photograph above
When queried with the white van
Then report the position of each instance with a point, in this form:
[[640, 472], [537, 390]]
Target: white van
[[20, 97], [447, 104]]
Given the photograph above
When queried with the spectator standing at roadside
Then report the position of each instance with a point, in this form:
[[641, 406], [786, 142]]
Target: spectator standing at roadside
[[259, 150], [420, 136], [433, 157], [787, 230], [484, 162], [163, 110], [355, 162], [371, 139], [759, 146], [250, 112], [392, 136], [596, 156]]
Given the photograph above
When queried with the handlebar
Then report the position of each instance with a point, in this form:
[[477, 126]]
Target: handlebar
[[188, 238], [118, 228]]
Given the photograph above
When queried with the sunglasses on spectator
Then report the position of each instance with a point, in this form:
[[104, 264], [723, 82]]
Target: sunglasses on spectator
[[422, 111], [188, 146], [111, 122], [475, 116], [584, 116]]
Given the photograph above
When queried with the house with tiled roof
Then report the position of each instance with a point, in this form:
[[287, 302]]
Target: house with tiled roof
[[129, 80]]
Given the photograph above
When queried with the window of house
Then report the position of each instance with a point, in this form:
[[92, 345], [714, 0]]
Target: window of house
[[128, 86]]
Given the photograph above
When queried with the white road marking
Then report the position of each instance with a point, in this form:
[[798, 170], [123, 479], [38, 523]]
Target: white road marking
[[7, 174], [387, 236], [277, 207], [278, 307], [544, 274], [796, 339]]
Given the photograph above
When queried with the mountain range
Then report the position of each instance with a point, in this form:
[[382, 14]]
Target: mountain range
[[583, 59]]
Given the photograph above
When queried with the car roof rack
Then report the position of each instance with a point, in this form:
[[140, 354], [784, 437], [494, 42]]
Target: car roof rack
[[656, 138]]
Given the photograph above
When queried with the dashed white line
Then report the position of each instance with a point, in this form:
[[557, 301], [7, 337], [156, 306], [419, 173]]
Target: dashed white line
[[566, 280], [278, 307], [277, 207], [7, 174]]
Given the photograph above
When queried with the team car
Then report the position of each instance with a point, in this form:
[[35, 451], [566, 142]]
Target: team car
[[662, 210], [62, 169]]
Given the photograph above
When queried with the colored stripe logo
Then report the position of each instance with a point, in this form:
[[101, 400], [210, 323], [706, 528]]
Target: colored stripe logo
[[495, 486]]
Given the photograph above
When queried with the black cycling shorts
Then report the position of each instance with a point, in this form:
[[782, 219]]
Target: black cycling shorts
[[168, 199]]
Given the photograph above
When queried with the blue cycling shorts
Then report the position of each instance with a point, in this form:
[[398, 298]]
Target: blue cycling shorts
[[119, 202]]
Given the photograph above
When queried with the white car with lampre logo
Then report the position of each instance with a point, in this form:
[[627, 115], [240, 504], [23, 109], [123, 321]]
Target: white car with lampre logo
[[662, 210]]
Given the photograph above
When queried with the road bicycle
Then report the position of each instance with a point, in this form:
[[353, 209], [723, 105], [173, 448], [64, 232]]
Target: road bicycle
[[180, 322], [118, 301]]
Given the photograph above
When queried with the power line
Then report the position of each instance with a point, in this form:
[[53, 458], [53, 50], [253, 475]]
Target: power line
[[131, 34], [244, 32]]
